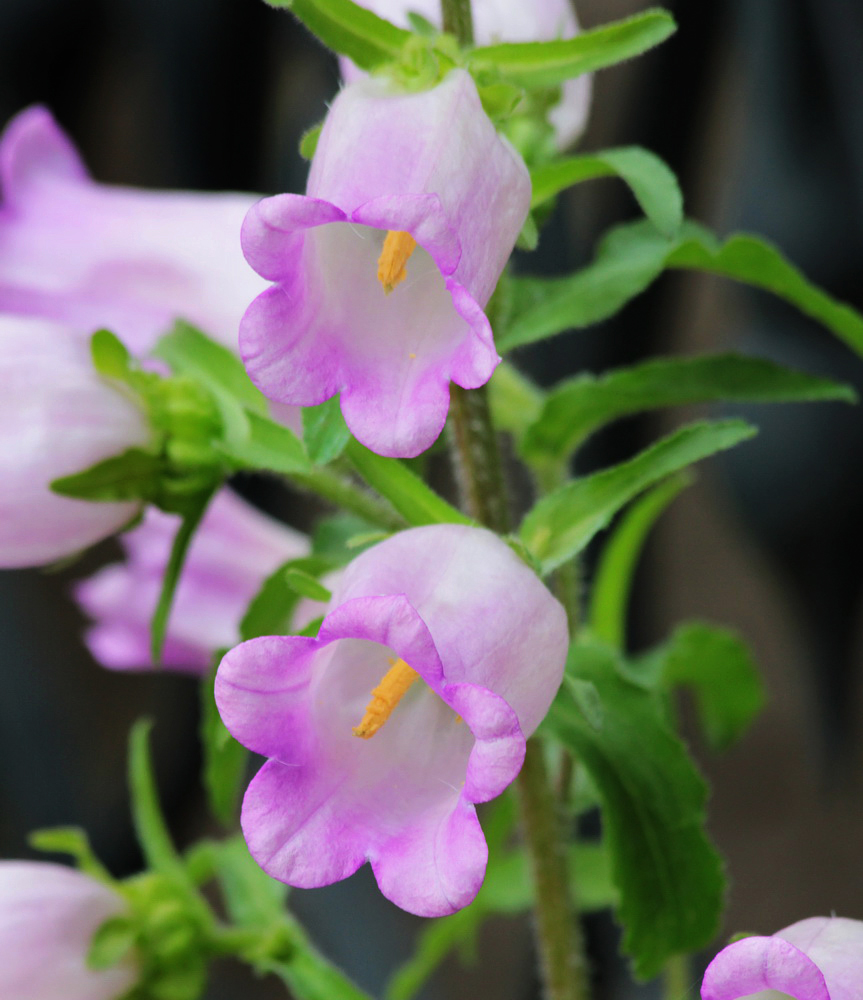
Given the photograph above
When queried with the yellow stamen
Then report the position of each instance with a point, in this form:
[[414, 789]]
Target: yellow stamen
[[398, 246], [385, 697]]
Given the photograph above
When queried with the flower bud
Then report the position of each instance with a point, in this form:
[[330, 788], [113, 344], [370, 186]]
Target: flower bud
[[48, 917], [57, 417]]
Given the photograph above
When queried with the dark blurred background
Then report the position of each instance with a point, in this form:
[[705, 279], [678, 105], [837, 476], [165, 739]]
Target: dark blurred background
[[758, 107]]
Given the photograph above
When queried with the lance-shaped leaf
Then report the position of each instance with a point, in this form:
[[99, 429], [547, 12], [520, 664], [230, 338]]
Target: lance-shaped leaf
[[416, 502], [632, 256], [548, 64], [653, 811], [349, 29], [652, 182], [576, 408], [563, 523], [325, 432]]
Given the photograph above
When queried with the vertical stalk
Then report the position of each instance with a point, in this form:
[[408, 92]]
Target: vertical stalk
[[479, 470], [677, 979], [458, 20]]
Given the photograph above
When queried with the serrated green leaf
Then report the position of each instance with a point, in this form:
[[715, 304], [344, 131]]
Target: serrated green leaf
[[269, 447], [718, 666], [114, 939], [547, 64], [349, 29], [225, 760], [653, 809], [628, 261], [612, 582], [411, 497], [631, 257], [110, 356], [325, 432], [651, 180], [576, 408], [562, 523]]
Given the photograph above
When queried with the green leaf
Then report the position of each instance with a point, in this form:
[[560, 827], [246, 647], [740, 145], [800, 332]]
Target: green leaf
[[306, 585], [579, 406], [133, 475], [516, 403], [653, 810], [632, 256], [612, 582], [252, 899], [325, 432], [547, 64], [349, 29], [272, 609], [717, 665], [416, 502], [758, 263], [269, 446], [332, 537], [652, 182], [627, 261], [114, 939], [563, 523], [225, 760]]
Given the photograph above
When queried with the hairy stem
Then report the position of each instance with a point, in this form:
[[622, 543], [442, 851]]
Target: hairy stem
[[477, 458], [344, 493]]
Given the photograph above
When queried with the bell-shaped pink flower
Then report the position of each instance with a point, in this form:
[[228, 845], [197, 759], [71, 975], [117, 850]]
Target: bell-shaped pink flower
[[48, 916], [507, 21], [91, 255], [235, 548], [816, 959], [441, 652], [383, 268], [57, 417]]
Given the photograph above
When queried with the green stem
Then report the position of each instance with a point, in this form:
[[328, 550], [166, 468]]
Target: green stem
[[558, 933], [677, 978], [457, 20], [477, 458], [343, 493]]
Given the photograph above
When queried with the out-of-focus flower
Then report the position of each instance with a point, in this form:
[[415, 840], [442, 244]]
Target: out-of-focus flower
[[57, 418], [90, 255], [235, 548], [440, 654], [816, 959], [383, 268], [507, 21], [48, 916]]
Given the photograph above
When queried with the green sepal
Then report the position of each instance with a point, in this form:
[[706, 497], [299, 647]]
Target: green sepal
[[112, 942], [325, 433], [309, 141], [528, 238], [225, 760], [499, 99], [350, 30], [561, 524], [134, 474], [547, 64], [668, 873], [272, 608], [110, 356], [651, 180], [71, 840]]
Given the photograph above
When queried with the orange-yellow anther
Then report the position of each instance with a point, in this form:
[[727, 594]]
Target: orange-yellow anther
[[398, 246], [385, 697]]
